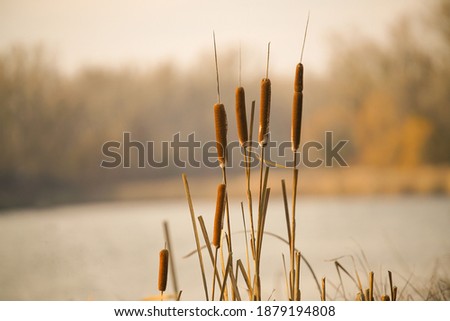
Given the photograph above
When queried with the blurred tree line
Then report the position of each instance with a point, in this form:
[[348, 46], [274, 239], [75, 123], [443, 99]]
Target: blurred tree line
[[391, 101]]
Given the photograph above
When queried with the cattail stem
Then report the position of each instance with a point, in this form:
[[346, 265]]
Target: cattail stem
[[297, 277], [217, 67], [214, 275], [248, 173], [247, 256], [227, 209], [261, 176], [293, 225], [173, 274]]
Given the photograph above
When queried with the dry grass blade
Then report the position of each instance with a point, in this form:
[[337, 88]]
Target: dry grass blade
[[357, 281], [324, 293], [408, 284], [218, 225], [221, 126], [237, 295], [246, 277], [172, 265], [302, 257], [391, 285], [197, 239], [285, 275], [337, 265], [206, 238], [225, 278], [208, 244], [247, 255], [286, 209], [241, 116], [371, 298]]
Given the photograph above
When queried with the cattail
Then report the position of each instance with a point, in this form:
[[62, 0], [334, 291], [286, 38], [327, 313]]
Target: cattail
[[298, 84], [297, 108], [385, 297], [220, 120], [241, 116], [218, 218], [264, 112], [163, 268]]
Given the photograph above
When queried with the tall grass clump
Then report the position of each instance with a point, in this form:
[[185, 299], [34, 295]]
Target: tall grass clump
[[229, 274]]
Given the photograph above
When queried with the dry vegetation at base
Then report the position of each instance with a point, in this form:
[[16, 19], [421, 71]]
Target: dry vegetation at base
[[391, 101]]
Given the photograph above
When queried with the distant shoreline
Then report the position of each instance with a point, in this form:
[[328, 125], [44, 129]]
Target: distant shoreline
[[351, 181], [344, 181]]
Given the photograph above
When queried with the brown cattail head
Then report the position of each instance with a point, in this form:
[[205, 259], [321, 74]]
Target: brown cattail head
[[220, 121], [163, 268], [385, 297], [298, 83], [264, 111], [218, 218], [241, 116], [297, 109]]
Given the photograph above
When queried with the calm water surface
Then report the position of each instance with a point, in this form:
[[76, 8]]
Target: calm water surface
[[109, 251]]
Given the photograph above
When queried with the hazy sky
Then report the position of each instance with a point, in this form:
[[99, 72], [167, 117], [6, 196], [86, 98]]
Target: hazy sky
[[144, 32]]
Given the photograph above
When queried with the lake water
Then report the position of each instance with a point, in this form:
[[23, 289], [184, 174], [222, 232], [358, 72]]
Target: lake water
[[109, 251]]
